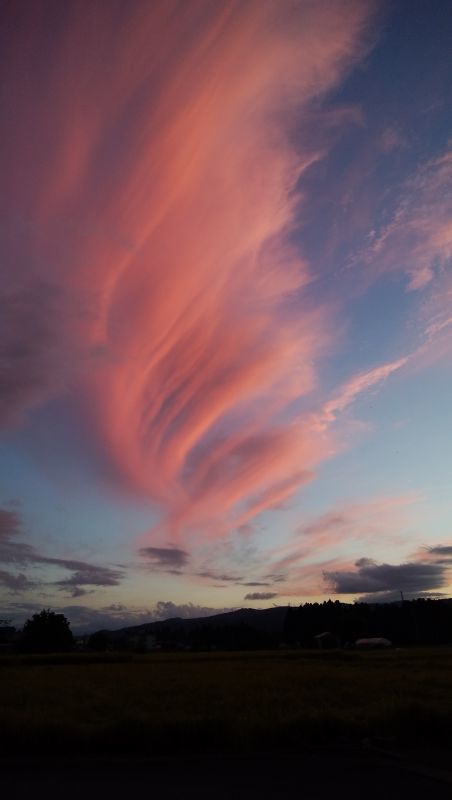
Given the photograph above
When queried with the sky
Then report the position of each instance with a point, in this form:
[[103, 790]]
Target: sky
[[225, 305]]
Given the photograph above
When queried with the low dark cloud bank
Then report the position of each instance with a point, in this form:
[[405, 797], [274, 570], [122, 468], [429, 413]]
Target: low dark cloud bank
[[14, 551], [440, 554], [15, 583], [385, 581], [260, 595], [441, 550]]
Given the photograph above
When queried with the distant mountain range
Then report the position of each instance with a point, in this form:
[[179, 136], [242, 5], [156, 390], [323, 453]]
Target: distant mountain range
[[266, 621], [420, 621]]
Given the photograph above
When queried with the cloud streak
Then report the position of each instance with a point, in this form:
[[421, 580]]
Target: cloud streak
[[157, 202], [13, 551], [419, 236], [373, 520], [166, 558], [357, 385], [261, 595]]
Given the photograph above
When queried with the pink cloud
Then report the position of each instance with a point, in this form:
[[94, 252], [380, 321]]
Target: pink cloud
[[356, 386], [158, 195], [419, 278], [418, 239], [364, 524], [391, 139]]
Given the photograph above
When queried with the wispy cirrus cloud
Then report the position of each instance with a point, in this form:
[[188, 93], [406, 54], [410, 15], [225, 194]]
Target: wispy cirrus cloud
[[418, 238], [357, 385], [372, 520], [400, 227], [161, 216]]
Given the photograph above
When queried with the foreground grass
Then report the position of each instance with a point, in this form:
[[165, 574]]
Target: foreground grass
[[168, 702]]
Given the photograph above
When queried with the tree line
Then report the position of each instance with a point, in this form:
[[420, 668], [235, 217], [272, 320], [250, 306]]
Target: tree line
[[414, 622], [410, 622]]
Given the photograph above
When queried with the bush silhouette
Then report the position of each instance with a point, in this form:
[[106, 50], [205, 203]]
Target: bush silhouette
[[47, 632], [98, 642]]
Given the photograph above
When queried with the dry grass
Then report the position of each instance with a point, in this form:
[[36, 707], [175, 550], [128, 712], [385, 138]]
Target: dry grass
[[166, 702]]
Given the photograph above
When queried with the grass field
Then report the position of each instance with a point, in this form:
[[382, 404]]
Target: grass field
[[224, 701]]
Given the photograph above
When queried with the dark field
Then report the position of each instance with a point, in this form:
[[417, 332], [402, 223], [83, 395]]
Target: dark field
[[225, 702]]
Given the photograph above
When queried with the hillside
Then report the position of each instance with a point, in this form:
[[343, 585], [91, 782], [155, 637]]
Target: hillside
[[257, 625]]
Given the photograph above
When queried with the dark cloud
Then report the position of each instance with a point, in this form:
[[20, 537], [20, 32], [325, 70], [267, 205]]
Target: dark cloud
[[441, 550], [261, 595], [14, 551], [218, 576], [276, 577], [166, 558], [15, 583], [439, 554], [254, 583], [394, 596], [77, 591], [371, 578], [88, 575]]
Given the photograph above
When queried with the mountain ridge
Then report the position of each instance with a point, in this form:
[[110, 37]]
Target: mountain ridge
[[270, 620]]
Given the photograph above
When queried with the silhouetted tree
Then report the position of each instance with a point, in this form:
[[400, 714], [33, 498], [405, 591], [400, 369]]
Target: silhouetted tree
[[46, 632], [422, 621], [99, 642]]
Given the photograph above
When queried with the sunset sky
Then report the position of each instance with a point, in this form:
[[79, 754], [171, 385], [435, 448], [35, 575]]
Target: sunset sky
[[225, 305]]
